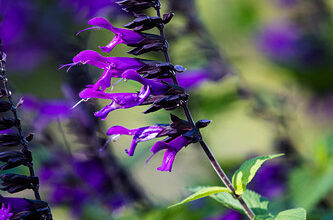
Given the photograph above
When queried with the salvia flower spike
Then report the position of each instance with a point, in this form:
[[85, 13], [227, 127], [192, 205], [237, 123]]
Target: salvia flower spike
[[154, 91]]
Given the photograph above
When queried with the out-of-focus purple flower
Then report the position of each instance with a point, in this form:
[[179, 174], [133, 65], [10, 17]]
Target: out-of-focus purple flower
[[228, 215], [118, 100], [193, 78], [280, 41], [290, 45], [139, 134], [172, 148], [90, 8], [47, 111], [287, 3], [79, 182], [270, 180], [122, 35], [5, 212], [16, 19]]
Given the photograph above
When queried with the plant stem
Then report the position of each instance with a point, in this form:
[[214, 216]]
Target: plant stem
[[204, 146], [25, 150]]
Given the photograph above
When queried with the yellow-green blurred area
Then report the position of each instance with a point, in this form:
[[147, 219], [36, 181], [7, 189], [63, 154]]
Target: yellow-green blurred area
[[287, 100]]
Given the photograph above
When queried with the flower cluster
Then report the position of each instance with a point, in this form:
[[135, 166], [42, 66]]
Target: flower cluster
[[78, 182], [11, 157], [160, 89]]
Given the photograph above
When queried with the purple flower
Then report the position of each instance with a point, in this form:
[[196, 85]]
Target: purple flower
[[155, 87], [228, 215], [5, 212], [122, 35], [139, 134], [270, 180], [92, 8], [112, 66], [118, 100], [193, 78], [47, 110], [172, 148], [279, 41], [18, 207]]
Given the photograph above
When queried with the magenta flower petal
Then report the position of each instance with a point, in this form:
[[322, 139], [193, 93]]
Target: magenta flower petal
[[119, 100], [112, 66], [5, 212], [139, 134], [156, 88], [122, 35], [172, 148]]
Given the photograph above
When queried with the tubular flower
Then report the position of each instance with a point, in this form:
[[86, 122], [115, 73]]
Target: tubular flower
[[172, 148], [119, 100], [141, 41], [139, 134], [19, 208], [112, 66], [122, 35], [5, 212]]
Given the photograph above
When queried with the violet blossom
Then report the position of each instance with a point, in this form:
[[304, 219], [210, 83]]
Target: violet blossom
[[139, 134], [47, 110], [19, 208], [121, 35]]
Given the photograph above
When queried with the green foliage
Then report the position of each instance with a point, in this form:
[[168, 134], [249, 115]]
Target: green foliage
[[246, 172], [258, 204], [306, 195], [203, 192], [294, 214]]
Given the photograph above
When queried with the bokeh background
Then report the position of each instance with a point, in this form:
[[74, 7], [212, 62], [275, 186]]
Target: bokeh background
[[262, 70]]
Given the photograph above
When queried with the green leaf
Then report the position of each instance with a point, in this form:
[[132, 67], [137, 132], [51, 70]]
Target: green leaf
[[322, 180], [246, 172], [264, 217], [292, 214], [258, 204], [203, 192]]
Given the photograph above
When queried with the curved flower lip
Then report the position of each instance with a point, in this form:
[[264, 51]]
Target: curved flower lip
[[139, 134], [93, 58], [119, 100], [122, 35], [113, 66], [172, 148], [5, 213], [156, 88]]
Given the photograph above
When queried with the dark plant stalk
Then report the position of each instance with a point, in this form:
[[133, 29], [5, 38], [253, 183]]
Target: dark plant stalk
[[24, 142], [204, 146]]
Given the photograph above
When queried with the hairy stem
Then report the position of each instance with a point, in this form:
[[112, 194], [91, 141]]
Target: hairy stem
[[204, 146]]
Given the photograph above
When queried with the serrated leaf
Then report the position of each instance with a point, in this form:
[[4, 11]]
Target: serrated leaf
[[292, 214], [246, 172], [203, 192], [257, 204]]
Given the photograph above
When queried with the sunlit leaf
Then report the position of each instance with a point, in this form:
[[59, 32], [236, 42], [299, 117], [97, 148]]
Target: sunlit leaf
[[203, 192], [246, 172]]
